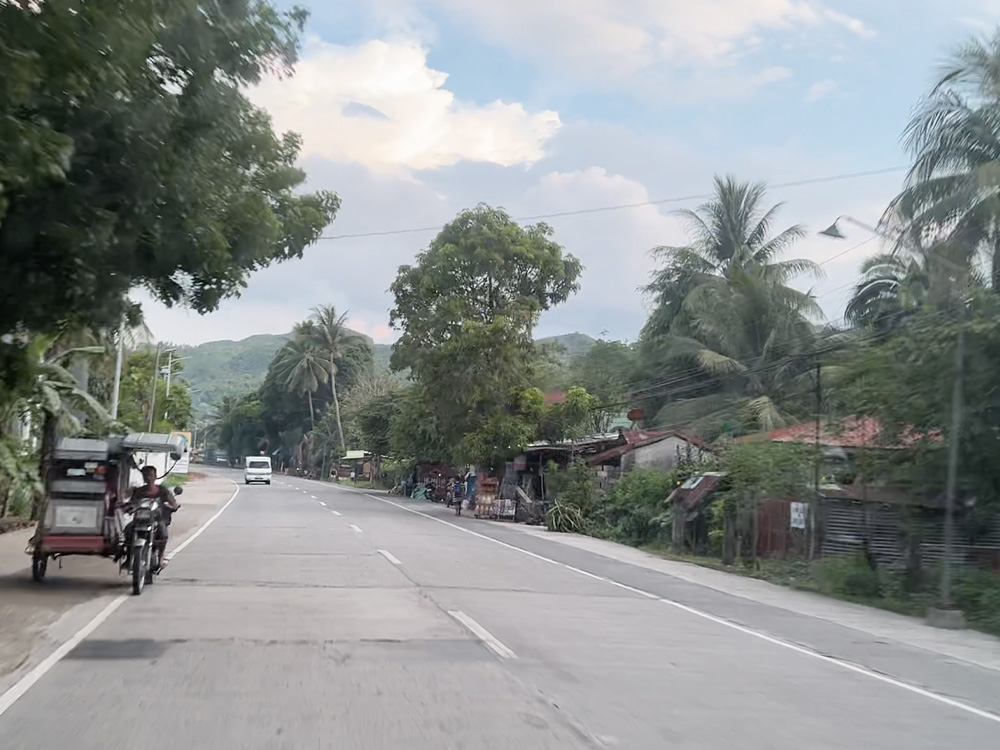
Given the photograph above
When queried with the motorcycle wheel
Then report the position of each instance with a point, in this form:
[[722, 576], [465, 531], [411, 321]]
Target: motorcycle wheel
[[39, 565], [138, 570], [154, 563]]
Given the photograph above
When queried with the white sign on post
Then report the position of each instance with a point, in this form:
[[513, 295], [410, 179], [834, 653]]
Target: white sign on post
[[797, 519]]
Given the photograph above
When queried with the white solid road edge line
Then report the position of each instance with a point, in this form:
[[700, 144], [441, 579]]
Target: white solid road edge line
[[838, 662], [389, 556], [705, 615], [10, 697], [22, 686], [490, 640], [585, 573]]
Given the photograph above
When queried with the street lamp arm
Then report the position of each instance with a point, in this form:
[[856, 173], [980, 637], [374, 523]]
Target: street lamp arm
[[863, 225]]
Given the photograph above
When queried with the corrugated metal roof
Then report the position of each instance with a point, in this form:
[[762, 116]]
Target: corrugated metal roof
[[696, 489], [852, 432]]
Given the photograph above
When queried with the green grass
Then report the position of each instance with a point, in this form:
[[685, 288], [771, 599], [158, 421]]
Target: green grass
[[175, 480]]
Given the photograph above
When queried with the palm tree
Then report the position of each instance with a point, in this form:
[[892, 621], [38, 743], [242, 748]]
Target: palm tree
[[328, 335], [895, 283], [889, 284], [302, 369], [724, 314], [953, 188], [732, 233]]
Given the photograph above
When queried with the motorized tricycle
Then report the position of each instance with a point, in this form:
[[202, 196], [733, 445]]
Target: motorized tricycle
[[87, 509]]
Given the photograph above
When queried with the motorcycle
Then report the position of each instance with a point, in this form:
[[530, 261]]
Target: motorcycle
[[142, 560]]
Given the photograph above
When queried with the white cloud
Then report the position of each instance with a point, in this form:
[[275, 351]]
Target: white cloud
[[616, 39], [820, 90], [380, 105], [634, 167], [613, 247]]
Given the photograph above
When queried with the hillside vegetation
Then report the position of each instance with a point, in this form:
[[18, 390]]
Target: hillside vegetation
[[217, 369]]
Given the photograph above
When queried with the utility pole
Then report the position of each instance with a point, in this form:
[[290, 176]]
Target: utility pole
[[814, 505], [946, 615], [170, 367], [119, 354], [152, 389], [952, 481]]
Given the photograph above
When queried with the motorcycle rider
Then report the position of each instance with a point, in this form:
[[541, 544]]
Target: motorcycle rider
[[168, 505]]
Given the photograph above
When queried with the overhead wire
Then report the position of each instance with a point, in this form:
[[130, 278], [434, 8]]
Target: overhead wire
[[624, 206], [665, 388]]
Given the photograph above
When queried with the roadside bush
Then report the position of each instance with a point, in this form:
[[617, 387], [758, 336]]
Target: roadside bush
[[635, 510], [848, 576], [573, 485], [978, 595]]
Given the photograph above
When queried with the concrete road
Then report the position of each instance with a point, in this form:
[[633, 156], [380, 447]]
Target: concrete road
[[34, 619], [310, 616]]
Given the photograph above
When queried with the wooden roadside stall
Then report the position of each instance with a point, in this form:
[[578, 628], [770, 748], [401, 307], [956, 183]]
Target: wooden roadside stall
[[487, 498]]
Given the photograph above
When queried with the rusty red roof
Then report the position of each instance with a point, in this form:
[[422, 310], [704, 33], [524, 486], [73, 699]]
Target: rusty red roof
[[852, 432]]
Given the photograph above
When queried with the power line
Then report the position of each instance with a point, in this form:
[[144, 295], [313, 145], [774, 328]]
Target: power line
[[677, 379], [624, 206], [852, 248]]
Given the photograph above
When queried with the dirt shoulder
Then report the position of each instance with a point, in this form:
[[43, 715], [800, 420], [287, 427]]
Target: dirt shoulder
[[34, 617]]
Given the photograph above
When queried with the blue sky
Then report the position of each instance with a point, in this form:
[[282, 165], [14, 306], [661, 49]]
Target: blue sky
[[546, 106]]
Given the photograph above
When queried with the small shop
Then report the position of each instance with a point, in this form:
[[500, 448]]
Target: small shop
[[356, 465]]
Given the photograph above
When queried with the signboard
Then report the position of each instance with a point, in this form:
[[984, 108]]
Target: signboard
[[797, 519], [182, 466]]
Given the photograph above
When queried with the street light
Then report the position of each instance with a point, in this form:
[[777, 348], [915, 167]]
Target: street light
[[947, 616], [833, 231], [170, 367]]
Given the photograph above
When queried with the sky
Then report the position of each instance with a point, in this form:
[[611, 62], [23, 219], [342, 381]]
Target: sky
[[412, 110]]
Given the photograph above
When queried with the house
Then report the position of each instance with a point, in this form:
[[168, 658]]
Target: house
[[887, 523], [610, 454], [661, 449]]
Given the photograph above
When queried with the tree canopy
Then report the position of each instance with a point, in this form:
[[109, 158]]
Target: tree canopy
[[466, 311], [135, 159]]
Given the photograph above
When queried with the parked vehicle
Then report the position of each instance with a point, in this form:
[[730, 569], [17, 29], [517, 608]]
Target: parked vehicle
[[258, 469], [86, 510]]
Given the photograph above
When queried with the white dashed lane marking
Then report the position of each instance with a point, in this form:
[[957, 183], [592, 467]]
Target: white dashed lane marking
[[389, 556]]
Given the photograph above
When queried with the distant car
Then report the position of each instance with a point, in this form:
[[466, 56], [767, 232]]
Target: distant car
[[222, 460], [258, 469]]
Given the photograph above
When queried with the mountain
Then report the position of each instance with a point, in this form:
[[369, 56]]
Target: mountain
[[572, 344], [233, 368], [227, 368], [382, 354]]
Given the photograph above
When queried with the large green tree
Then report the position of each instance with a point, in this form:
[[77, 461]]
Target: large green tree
[[467, 310], [606, 372], [131, 156], [723, 345]]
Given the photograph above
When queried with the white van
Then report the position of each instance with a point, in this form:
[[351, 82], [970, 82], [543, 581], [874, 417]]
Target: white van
[[258, 469]]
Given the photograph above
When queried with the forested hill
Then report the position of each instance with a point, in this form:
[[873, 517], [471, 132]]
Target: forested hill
[[231, 368]]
